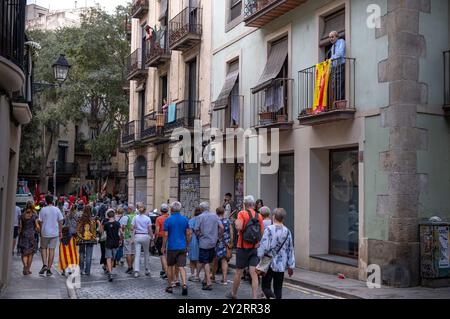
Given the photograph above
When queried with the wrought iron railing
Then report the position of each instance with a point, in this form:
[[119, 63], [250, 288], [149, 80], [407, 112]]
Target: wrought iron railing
[[129, 132], [134, 62], [273, 104], [447, 78], [187, 21], [184, 115], [254, 6], [149, 127], [65, 168], [12, 28], [138, 7], [157, 46], [340, 89]]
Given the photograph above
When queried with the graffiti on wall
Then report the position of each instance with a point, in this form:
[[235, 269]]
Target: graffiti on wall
[[189, 193]]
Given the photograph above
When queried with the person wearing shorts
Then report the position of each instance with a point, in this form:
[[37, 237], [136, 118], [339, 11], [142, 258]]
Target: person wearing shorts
[[177, 236], [159, 238], [246, 254], [113, 237], [208, 229], [129, 250], [50, 220]]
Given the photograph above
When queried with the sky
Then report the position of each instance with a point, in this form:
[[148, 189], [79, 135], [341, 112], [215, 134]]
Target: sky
[[108, 5]]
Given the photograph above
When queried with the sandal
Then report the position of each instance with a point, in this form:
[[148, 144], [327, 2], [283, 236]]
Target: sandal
[[207, 287], [169, 290]]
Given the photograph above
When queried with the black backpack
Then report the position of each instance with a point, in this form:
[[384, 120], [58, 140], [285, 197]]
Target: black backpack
[[252, 231]]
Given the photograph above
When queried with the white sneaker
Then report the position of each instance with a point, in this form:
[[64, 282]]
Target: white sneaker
[[136, 274]]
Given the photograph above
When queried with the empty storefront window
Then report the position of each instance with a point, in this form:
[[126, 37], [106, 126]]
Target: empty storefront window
[[344, 204]]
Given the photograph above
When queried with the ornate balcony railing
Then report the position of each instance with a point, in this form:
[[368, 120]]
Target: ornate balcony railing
[[184, 115], [258, 13], [185, 29], [139, 8], [157, 51], [66, 168], [135, 67], [129, 132], [340, 103], [273, 104], [12, 28]]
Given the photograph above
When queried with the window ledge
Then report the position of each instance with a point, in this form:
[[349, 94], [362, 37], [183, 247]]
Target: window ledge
[[337, 260], [233, 23]]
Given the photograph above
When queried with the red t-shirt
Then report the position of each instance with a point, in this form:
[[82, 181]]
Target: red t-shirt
[[244, 217], [160, 223]]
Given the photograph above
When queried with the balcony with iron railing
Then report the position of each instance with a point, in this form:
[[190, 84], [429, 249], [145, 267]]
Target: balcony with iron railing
[[67, 169], [135, 67], [258, 13], [139, 8], [152, 130], [80, 147], [272, 106], [183, 115], [157, 51], [185, 29], [12, 44], [447, 83], [130, 133], [340, 94]]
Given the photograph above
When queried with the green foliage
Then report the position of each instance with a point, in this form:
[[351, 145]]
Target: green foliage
[[96, 51]]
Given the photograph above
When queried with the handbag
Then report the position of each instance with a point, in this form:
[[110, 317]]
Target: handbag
[[229, 253], [264, 264]]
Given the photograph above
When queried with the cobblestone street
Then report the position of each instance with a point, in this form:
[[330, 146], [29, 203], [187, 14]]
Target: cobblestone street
[[127, 287]]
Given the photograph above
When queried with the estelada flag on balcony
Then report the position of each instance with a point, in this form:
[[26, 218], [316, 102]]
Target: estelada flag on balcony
[[321, 86]]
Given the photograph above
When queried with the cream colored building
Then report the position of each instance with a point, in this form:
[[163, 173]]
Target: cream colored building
[[169, 69], [69, 147], [15, 103]]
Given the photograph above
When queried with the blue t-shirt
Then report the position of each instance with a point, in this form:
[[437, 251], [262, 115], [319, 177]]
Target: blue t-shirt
[[176, 225]]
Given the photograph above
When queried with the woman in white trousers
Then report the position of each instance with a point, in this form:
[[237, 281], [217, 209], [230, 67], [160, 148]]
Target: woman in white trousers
[[142, 234]]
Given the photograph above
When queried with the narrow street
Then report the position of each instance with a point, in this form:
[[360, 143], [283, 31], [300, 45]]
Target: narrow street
[[127, 287]]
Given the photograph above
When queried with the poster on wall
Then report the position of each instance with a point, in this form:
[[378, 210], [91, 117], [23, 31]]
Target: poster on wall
[[443, 247], [239, 185]]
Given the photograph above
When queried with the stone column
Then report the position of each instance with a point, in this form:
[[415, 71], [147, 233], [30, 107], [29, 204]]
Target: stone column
[[398, 256]]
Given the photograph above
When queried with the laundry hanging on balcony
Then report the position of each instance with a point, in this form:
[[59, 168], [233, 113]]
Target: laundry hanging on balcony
[[163, 9], [275, 97], [275, 61], [172, 113], [321, 86]]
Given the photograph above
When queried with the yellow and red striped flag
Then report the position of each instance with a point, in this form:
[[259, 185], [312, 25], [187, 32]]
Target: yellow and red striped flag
[[68, 255], [321, 86]]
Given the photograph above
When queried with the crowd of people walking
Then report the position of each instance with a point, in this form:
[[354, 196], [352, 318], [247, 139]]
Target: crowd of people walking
[[263, 246]]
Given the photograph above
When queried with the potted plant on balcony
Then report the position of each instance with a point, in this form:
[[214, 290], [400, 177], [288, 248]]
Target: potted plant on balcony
[[281, 118], [340, 105]]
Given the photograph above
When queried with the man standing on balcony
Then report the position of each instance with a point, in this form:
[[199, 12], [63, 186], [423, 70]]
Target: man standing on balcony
[[338, 54]]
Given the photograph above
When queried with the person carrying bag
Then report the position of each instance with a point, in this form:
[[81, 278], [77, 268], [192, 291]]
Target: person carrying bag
[[276, 253]]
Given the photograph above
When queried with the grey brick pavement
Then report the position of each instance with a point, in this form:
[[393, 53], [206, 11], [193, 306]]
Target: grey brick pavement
[[125, 286]]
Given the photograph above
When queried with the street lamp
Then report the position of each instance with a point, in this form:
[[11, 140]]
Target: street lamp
[[60, 72], [61, 69]]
